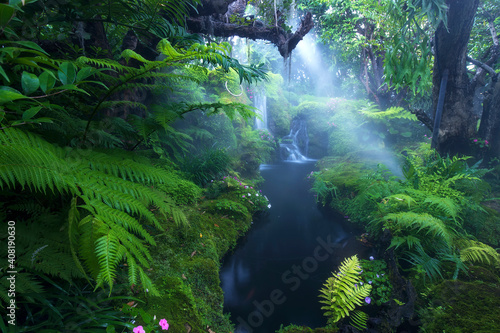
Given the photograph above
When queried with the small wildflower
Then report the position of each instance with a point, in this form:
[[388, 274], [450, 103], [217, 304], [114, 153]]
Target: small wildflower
[[269, 206], [370, 282], [139, 329], [371, 258], [243, 195], [249, 194], [368, 300], [378, 275], [201, 235], [486, 142], [164, 325], [475, 140]]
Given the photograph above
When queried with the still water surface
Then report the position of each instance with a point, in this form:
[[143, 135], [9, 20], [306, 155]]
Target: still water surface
[[274, 274]]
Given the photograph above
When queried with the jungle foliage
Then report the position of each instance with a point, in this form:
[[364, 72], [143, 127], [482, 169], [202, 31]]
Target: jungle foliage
[[91, 164]]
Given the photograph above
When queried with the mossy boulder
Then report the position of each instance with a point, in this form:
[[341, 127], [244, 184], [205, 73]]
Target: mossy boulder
[[463, 307], [316, 115], [305, 329]]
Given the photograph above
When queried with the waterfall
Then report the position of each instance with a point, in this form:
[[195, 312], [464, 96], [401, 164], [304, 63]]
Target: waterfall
[[290, 146], [260, 103]]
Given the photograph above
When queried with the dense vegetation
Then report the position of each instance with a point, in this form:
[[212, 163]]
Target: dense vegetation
[[129, 161]]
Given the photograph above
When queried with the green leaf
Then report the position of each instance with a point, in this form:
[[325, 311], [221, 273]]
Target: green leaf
[[2, 72], [8, 94], [29, 82], [25, 43], [406, 134], [392, 130], [84, 73], [6, 14], [71, 87], [47, 81], [43, 120], [31, 112], [67, 73]]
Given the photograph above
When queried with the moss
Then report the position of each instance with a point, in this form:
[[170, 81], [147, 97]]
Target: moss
[[305, 329], [186, 263], [176, 304], [460, 307], [316, 115]]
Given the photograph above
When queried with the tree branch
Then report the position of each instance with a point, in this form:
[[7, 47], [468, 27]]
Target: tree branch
[[285, 41], [424, 118], [478, 63]]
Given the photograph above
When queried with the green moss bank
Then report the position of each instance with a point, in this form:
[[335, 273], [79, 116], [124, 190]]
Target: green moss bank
[[187, 260]]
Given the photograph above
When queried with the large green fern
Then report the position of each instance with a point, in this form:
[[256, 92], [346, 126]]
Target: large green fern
[[344, 291], [113, 192]]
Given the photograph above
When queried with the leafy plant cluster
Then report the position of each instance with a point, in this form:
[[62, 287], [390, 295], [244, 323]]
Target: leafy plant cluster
[[395, 121], [426, 212], [87, 167], [375, 274], [239, 193]]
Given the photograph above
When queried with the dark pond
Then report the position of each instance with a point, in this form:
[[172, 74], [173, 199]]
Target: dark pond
[[275, 273]]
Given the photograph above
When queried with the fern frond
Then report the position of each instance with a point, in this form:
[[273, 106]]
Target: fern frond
[[446, 206], [359, 319], [431, 266], [30, 162], [475, 251], [420, 221], [341, 292], [410, 241]]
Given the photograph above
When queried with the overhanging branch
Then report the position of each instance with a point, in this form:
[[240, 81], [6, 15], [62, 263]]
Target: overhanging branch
[[285, 41]]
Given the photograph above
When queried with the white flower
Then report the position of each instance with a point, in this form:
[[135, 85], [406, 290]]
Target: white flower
[[249, 195], [256, 194], [269, 206]]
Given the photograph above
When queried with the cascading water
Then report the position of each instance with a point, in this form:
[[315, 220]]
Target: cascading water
[[260, 103], [290, 146]]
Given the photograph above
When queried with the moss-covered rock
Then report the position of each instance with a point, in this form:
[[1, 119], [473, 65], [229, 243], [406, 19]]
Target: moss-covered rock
[[462, 307], [305, 329]]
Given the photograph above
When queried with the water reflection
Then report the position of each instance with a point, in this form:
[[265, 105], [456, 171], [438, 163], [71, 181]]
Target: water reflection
[[275, 272]]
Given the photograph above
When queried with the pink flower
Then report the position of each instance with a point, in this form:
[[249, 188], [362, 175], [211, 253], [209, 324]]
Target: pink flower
[[164, 325], [139, 329], [486, 142], [475, 140]]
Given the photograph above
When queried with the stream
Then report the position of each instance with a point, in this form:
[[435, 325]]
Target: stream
[[274, 274]]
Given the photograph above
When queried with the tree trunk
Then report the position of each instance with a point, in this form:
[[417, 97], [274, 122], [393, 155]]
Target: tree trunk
[[458, 124], [490, 125]]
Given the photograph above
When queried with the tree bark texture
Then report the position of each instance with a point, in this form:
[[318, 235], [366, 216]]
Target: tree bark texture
[[490, 124], [458, 123]]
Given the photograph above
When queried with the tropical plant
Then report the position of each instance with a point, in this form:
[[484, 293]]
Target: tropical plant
[[110, 199], [426, 216], [344, 291]]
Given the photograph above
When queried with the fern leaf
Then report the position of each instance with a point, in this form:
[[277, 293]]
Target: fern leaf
[[479, 252], [420, 221], [341, 293], [359, 319]]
